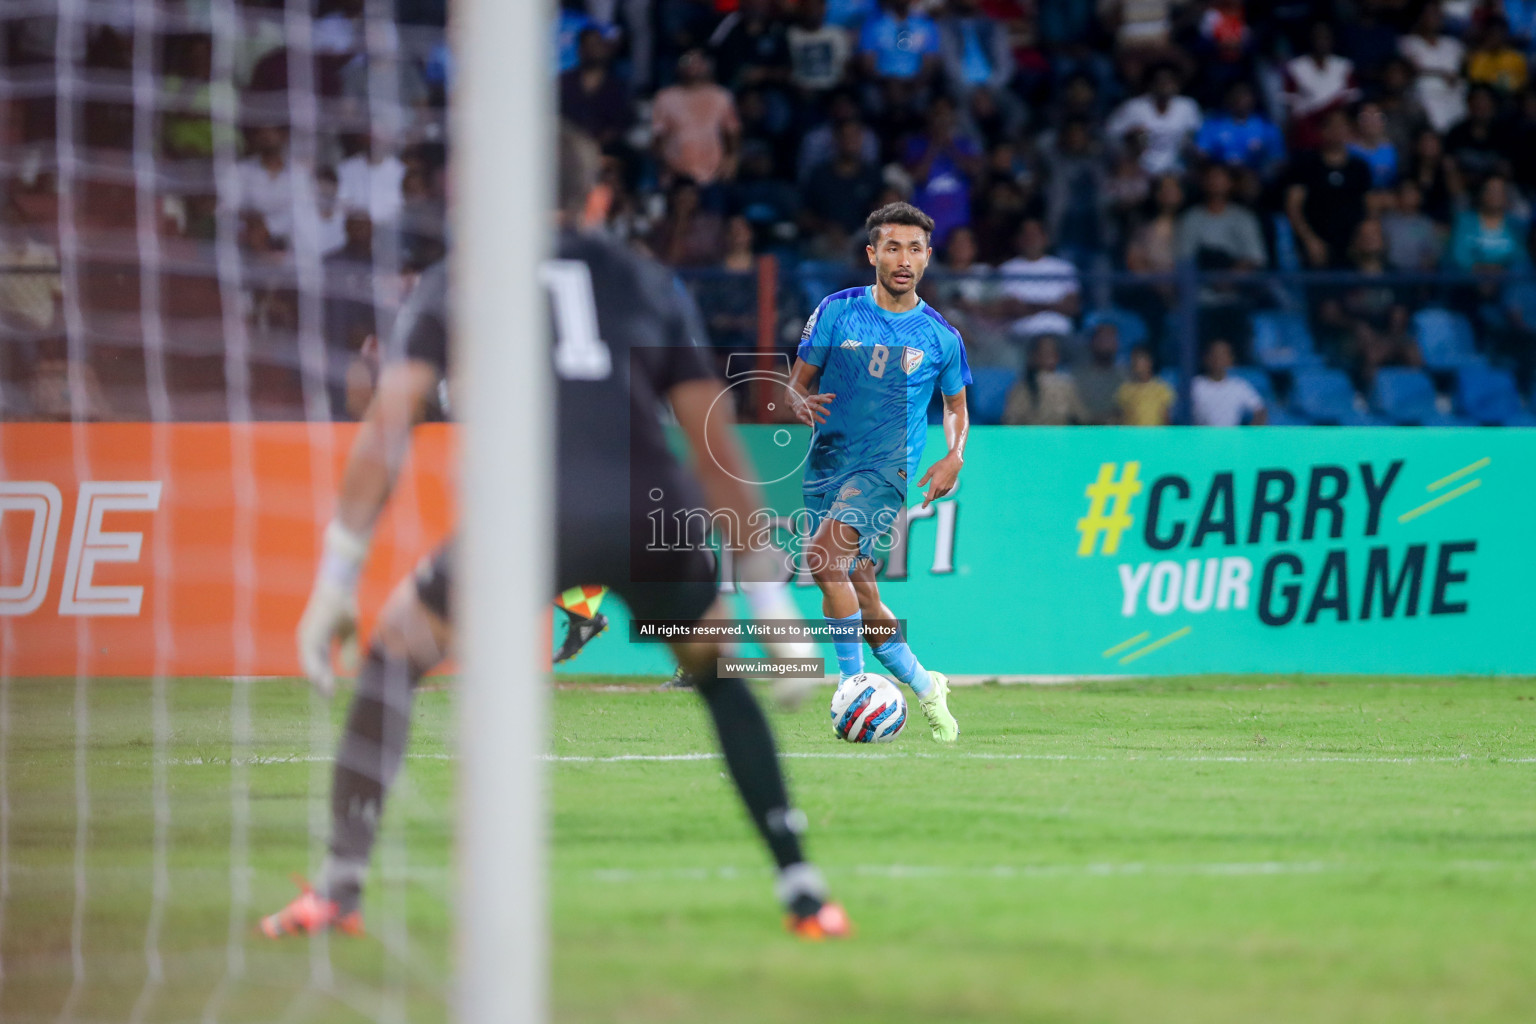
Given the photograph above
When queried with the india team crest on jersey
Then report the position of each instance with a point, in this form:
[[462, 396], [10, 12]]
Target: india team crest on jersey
[[911, 359]]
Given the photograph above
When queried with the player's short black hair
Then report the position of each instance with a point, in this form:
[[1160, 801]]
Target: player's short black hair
[[580, 165], [897, 213]]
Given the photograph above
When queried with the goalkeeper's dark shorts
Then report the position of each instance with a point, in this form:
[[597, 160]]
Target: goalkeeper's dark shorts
[[666, 583]]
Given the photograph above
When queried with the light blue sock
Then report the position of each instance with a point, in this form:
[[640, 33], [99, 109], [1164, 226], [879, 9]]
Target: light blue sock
[[900, 662], [848, 644]]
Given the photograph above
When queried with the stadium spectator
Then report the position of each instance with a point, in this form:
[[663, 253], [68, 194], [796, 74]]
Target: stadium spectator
[[997, 217], [1413, 242], [1101, 376], [1368, 37], [1143, 31], [186, 123], [1479, 146], [899, 46], [688, 235], [1495, 63], [943, 163], [1241, 137], [694, 124], [1040, 292], [1394, 95], [1168, 119], [964, 290], [750, 48], [1325, 200], [739, 254], [1153, 247], [265, 186], [1144, 400], [840, 192], [1488, 239], [1223, 50], [592, 97], [31, 290], [1218, 399], [1437, 60], [1219, 234], [330, 212], [371, 181], [1045, 395], [573, 21], [849, 15], [820, 143], [818, 52], [1438, 181], [1076, 201], [1372, 145], [1128, 186], [977, 59], [350, 319], [1316, 83], [1367, 322], [759, 194]]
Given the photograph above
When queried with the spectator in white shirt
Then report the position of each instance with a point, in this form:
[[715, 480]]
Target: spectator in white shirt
[[371, 181], [1219, 399], [266, 181], [1168, 120], [1040, 292], [1315, 83], [1437, 58]]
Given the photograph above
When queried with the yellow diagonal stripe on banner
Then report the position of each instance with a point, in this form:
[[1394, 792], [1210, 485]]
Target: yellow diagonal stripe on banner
[[1463, 471], [1428, 506], [1177, 634], [1132, 642]]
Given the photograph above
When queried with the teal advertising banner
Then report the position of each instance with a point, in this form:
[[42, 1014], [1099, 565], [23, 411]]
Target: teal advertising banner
[[1103, 551]]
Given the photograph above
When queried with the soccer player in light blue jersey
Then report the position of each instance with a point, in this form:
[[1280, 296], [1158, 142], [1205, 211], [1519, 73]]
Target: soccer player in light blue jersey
[[868, 362]]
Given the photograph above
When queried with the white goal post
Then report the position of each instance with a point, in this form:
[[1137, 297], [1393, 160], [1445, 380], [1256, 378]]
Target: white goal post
[[503, 160]]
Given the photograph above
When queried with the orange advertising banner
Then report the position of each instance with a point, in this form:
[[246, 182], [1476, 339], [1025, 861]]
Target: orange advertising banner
[[187, 549]]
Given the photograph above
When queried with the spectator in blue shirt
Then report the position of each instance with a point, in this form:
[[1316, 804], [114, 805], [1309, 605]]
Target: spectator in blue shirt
[[849, 14], [944, 165], [1374, 146], [1489, 239], [1241, 137], [569, 26], [900, 44]]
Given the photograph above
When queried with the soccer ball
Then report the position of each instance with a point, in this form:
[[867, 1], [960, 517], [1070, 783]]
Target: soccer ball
[[868, 708]]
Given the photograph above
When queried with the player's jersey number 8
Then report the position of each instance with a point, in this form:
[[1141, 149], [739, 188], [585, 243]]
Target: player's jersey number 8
[[877, 358]]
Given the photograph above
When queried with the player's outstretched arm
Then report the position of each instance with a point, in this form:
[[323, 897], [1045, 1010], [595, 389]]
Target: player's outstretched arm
[[809, 407], [941, 476], [380, 447]]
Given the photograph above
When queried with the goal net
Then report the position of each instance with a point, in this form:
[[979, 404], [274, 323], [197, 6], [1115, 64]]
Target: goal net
[[211, 212]]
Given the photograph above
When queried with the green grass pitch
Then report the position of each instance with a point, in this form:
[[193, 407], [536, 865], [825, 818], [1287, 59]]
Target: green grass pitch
[[1203, 850]]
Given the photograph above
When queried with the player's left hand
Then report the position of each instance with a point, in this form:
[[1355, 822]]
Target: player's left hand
[[940, 478]]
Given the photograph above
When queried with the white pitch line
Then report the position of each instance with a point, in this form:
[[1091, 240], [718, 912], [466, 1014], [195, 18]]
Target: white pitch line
[[1131, 869], [872, 755]]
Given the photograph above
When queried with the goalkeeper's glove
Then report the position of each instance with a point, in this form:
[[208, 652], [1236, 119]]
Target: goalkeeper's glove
[[331, 615]]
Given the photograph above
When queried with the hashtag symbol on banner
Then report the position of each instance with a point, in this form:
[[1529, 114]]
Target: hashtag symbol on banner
[[1107, 494]]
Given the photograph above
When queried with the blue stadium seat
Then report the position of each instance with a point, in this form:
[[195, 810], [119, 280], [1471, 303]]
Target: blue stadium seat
[[1486, 395], [1279, 416], [1259, 378], [1403, 395], [1282, 340], [1133, 330], [1323, 396], [1446, 339], [988, 393]]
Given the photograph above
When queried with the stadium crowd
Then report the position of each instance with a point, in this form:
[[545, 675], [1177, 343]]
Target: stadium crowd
[[1079, 160]]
